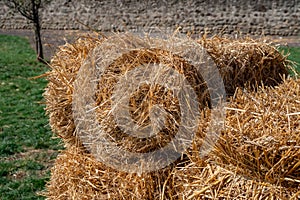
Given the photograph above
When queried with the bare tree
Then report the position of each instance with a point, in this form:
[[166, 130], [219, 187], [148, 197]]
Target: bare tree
[[30, 10]]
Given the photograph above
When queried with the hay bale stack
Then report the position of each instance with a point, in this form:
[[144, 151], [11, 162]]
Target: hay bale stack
[[246, 61], [243, 61], [255, 158], [77, 175], [58, 94]]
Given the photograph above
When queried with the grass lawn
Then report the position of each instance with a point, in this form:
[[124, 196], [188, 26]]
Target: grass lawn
[[294, 55], [27, 149]]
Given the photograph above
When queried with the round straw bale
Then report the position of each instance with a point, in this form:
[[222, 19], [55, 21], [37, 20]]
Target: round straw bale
[[142, 100], [132, 76], [261, 136], [59, 93], [246, 61]]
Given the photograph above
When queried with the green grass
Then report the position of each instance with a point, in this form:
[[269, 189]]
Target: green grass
[[27, 148], [294, 55]]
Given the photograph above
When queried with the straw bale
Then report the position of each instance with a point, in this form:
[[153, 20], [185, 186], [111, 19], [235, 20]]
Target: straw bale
[[206, 180], [246, 61], [261, 136], [142, 101], [78, 175], [257, 155], [58, 94], [65, 65]]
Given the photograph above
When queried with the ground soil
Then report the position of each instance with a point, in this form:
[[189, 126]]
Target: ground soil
[[53, 38]]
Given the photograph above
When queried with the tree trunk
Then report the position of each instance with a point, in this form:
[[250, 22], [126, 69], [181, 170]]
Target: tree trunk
[[38, 42], [37, 33]]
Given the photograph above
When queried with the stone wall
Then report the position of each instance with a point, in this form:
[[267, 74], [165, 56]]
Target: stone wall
[[277, 17]]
